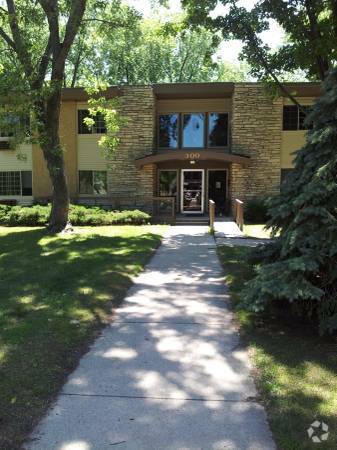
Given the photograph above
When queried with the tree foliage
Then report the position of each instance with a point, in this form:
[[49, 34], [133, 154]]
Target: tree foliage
[[36, 76], [301, 265], [118, 46], [310, 27]]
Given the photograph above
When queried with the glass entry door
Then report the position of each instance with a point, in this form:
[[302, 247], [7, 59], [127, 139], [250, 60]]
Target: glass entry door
[[192, 191]]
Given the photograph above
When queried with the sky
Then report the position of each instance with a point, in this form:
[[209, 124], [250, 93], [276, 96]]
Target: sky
[[229, 51]]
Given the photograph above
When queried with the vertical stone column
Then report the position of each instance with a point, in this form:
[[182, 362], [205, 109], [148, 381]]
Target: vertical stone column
[[257, 133], [125, 180]]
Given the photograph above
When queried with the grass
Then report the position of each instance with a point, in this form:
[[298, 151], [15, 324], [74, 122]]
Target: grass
[[296, 370], [256, 231], [56, 293]]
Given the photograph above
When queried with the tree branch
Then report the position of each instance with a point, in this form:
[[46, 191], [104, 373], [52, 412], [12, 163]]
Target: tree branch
[[314, 36], [334, 15], [73, 24], [183, 65], [107, 22], [252, 39], [7, 39], [20, 48], [43, 65], [50, 8]]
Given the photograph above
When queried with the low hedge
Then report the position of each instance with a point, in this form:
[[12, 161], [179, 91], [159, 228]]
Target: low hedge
[[256, 210], [38, 215]]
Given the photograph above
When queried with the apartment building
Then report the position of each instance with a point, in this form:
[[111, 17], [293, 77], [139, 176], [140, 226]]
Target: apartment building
[[187, 142]]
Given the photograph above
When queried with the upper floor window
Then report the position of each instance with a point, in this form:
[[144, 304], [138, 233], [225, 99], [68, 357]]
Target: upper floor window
[[11, 124], [217, 129], [99, 126], [293, 117], [192, 130], [168, 130]]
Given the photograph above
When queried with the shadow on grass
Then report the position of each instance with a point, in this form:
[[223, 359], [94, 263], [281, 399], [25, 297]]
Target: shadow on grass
[[55, 294], [296, 369]]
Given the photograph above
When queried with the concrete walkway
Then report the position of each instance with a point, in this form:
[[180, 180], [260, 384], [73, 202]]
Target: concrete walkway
[[169, 373], [227, 229]]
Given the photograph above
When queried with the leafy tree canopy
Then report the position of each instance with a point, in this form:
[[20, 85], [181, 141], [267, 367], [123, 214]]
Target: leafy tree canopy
[[118, 46], [310, 27]]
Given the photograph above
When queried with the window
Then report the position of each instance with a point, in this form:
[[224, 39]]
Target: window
[[93, 182], [16, 183], [217, 129], [26, 183], [167, 183], [285, 173], [194, 130], [11, 123], [293, 117], [302, 117], [99, 123], [168, 130]]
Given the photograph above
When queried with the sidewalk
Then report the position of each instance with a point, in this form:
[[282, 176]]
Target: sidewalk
[[169, 373]]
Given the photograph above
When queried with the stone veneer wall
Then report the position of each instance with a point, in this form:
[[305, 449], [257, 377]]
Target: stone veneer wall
[[127, 185], [256, 132]]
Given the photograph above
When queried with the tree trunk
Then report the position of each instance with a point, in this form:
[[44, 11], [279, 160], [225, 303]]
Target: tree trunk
[[58, 220], [49, 113]]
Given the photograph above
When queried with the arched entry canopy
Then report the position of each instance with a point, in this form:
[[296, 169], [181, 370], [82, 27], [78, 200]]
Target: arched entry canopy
[[192, 155]]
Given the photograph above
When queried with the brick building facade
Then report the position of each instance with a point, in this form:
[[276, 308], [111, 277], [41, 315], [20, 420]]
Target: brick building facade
[[191, 142]]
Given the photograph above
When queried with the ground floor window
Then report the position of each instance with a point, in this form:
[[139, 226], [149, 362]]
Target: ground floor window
[[285, 173], [16, 183], [93, 182], [168, 183]]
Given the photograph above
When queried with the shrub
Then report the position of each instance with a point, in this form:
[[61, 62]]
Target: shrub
[[38, 215], [256, 210]]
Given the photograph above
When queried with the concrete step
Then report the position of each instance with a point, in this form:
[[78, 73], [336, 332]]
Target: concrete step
[[191, 223]]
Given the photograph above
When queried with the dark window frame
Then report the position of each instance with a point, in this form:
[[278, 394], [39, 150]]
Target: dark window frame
[[180, 115], [208, 131], [299, 126], [179, 130], [19, 192], [98, 128], [93, 194]]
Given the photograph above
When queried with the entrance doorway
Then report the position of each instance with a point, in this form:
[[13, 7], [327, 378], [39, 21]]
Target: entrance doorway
[[192, 191], [217, 189]]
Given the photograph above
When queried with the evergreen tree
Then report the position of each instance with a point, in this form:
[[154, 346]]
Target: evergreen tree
[[301, 265]]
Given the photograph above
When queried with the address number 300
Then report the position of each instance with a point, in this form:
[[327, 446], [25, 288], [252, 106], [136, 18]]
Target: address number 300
[[192, 155]]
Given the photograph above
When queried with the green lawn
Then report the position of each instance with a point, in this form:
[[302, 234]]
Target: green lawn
[[256, 231], [296, 369], [55, 294]]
